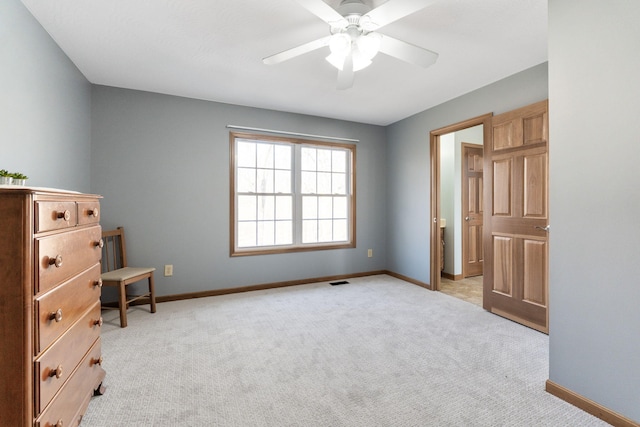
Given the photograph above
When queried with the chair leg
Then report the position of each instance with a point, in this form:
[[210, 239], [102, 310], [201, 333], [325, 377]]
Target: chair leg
[[122, 304], [152, 294]]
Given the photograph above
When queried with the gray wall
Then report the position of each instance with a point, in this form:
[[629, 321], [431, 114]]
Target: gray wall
[[162, 164], [594, 93], [408, 168], [45, 105]]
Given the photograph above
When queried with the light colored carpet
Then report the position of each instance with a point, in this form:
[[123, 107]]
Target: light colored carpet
[[375, 352]]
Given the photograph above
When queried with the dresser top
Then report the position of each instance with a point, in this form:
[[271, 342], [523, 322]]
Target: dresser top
[[40, 190]]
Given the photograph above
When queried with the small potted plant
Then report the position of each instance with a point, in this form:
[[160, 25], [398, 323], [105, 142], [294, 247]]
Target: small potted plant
[[5, 177], [19, 178]]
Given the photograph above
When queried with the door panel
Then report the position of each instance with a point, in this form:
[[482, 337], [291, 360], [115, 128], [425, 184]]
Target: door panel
[[535, 189], [535, 268], [502, 190], [535, 128], [504, 136], [502, 264], [516, 271]]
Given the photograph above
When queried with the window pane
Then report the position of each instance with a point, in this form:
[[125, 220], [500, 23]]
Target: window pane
[[309, 231], [324, 160], [283, 157], [308, 183], [324, 183], [284, 207], [265, 156], [246, 208], [308, 158], [340, 207], [289, 193], [266, 207], [340, 233], [283, 181], [309, 207], [339, 163], [246, 180], [284, 232], [339, 183], [325, 207], [264, 181], [246, 234], [246, 154], [325, 230], [266, 233]]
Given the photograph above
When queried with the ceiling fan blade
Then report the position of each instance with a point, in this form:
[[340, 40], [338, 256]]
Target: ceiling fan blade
[[296, 51], [407, 52], [346, 75], [323, 11], [395, 9]]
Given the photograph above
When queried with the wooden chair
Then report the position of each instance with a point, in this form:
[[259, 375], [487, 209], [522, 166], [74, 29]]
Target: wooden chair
[[116, 272]]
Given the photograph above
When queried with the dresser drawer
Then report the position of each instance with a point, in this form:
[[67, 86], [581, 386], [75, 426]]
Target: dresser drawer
[[71, 402], [64, 255], [60, 308], [88, 212], [56, 364], [55, 215]]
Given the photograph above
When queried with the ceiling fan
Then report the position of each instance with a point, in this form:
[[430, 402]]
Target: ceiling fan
[[354, 40]]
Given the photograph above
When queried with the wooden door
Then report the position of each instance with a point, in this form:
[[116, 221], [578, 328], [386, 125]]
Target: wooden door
[[517, 218], [472, 210]]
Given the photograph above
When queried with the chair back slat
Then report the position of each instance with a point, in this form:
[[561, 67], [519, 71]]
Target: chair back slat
[[114, 254]]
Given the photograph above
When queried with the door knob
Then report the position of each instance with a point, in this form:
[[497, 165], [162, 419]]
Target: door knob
[[466, 218], [537, 227]]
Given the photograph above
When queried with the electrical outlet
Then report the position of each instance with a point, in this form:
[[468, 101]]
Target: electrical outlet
[[370, 253], [168, 270]]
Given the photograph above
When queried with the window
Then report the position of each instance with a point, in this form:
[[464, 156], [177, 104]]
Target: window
[[290, 195]]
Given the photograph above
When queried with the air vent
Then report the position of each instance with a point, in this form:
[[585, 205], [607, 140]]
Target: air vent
[[342, 282]]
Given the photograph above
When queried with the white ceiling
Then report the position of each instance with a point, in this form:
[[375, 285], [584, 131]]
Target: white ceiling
[[213, 50]]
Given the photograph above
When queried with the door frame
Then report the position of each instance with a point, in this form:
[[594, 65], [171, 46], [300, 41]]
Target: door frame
[[434, 141]]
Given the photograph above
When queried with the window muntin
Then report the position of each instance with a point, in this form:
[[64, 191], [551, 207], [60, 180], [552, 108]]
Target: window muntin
[[290, 195]]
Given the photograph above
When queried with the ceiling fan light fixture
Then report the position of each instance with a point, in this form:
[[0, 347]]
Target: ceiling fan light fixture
[[359, 61], [369, 45], [340, 44]]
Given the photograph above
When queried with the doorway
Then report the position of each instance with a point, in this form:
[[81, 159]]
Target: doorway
[[446, 198], [457, 201]]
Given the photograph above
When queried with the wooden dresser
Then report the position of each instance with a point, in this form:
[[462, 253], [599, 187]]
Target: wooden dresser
[[50, 356]]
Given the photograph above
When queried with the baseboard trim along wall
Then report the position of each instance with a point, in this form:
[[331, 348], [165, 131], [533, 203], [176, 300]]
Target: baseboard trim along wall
[[589, 406], [216, 292], [408, 279], [453, 277]]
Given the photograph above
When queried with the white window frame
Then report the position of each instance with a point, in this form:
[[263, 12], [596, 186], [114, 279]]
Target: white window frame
[[297, 245]]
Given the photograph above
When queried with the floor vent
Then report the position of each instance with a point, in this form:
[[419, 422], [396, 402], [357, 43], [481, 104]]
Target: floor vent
[[342, 282]]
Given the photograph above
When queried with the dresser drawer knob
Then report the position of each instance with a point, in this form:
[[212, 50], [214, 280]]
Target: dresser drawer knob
[[98, 322], [98, 283], [97, 361], [56, 315], [93, 212], [57, 261], [99, 244], [56, 372], [59, 424], [66, 215]]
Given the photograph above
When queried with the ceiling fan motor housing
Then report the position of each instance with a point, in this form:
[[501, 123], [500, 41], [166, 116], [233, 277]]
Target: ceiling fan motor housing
[[353, 7]]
